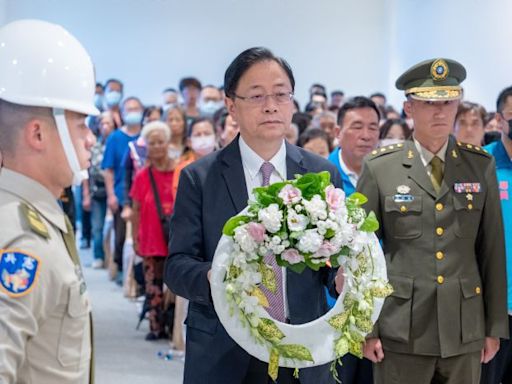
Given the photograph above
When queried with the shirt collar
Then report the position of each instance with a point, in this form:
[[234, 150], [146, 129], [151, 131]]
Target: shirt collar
[[345, 169], [426, 155], [252, 161], [34, 194]]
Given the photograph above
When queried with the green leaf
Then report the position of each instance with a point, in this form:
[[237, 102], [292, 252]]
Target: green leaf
[[370, 224], [309, 184], [357, 199], [313, 266], [338, 321], [233, 223], [273, 364], [295, 351], [268, 277], [329, 234], [297, 268], [269, 330]]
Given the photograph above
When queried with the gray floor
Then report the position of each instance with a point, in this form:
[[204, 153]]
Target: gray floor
[[122, 355]]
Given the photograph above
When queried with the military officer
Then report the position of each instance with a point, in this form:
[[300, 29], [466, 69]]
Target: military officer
[[46, 90], [441, 229]]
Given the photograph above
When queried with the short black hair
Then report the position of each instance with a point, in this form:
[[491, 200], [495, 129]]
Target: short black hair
[[114, 81], [502, 98], [246, 60], [337, 93], [378, 94], [123, 103], [356, 103], [314, 133], [389, 123], [170, 89], [318, 85], [189, 82], [198, 120]]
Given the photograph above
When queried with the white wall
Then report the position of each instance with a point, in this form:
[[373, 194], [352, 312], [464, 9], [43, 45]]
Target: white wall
[[360, 46]]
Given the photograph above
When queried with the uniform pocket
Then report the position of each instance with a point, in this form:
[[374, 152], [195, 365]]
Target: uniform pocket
[[471, 309], [395, 317], [75, 338], [467, 214], [405, 217]]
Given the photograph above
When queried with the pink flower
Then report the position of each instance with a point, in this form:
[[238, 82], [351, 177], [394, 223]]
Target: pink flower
[[290, 194], [334, 197], [256, 231], [292, 256], [326, 250]]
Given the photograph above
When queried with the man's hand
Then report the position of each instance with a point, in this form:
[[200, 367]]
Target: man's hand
[[373, 351], [209, 275], [113, 203], [86, 203], [491, 347], [339, 280], [126, 213]]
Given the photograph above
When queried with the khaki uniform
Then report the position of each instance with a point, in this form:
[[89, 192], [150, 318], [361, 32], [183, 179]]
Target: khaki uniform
[[45, 331], [444, 252]]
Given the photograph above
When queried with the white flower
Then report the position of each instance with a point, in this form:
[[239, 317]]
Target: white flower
[[298, 208], [242, 238], [248, 303], [290, 195], [296, 222], [310, 241], [271, 218], [317, 208]]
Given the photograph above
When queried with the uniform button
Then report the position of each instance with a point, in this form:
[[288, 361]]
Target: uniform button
[[470, 206], [403, 208], [478, 290], [439, 206], [439, 231], [439, 255], [440, 279]]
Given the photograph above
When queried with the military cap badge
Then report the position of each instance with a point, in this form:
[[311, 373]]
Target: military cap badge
[[439, 70]]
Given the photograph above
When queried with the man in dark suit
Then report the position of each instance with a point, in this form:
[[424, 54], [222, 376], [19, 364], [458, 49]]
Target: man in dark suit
[[441, 229], [259, 88]]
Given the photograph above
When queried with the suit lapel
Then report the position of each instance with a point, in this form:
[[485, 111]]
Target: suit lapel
[[293, 162], [234, 176], [417, 170]]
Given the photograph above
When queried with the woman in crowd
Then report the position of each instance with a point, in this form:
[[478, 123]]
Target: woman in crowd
[[394, 131], [94, 191], [175, 118], [469, 123], [149, 240], [317, 141]]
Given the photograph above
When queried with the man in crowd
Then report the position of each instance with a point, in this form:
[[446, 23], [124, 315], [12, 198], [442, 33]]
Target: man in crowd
[[211, 101], [45, 322], [190, 89], [499, 369], [112, 97], [259, 89], [442, 234], [116, 147], [357, 132]]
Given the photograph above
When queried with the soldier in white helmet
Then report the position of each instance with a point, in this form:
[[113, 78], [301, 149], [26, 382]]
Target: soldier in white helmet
[[46, 91]]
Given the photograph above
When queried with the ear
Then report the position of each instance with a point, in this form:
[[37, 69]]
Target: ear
[[35, 134], [337, 131], [230, 106], [408, 108]]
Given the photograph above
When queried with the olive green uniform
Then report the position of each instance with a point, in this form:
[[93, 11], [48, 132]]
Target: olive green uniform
[[45, 331], [444, 251]]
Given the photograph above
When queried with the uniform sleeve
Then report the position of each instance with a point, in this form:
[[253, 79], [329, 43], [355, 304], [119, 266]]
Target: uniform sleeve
[[21, 316], [490, 251]]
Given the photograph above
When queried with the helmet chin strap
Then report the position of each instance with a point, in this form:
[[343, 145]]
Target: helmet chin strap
[[79, 174]]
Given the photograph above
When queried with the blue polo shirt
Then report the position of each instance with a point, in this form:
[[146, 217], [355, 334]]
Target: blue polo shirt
[[504, 175], [348, 187]]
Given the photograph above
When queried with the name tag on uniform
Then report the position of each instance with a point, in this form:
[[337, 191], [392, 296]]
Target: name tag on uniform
[[403, 198], [467, 187]]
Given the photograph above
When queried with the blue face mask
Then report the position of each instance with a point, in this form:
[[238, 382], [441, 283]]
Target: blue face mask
[[210, 107], [113, 98], [98, 101], [132, 118]]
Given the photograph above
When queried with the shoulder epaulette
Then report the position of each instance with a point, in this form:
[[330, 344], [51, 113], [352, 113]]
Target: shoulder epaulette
[[474, 149], [378, 152], [34, 221]]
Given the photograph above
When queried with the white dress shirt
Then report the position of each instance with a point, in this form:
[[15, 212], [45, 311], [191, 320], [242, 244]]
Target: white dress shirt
[[426, 155], [352, 176], [251, 163]]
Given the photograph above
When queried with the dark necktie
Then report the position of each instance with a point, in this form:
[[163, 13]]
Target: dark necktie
[[436, 173]]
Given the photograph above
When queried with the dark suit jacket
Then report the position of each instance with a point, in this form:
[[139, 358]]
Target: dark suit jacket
[[211, 191]]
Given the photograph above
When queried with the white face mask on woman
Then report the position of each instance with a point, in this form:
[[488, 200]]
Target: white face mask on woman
[[203, 145]]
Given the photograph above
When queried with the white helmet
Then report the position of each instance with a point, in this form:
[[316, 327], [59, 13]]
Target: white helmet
[[43, 65]]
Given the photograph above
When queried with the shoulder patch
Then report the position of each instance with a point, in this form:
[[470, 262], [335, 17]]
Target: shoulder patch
[[474, 149], [385, 150], [34, 221], [18, 272]]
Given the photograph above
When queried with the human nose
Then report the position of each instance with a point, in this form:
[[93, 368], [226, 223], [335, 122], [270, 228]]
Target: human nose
[[270, 104]]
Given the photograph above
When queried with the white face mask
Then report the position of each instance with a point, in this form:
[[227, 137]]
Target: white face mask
[[386, 142], [203, 145], [79, 174], [174, 153]]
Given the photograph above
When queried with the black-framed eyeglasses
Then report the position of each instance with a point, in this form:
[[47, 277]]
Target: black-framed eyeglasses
[[279, 98]]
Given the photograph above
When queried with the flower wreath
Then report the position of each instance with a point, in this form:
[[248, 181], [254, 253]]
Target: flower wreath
[[305, 223]]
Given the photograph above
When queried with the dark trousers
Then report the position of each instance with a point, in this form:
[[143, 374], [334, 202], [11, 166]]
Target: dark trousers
[[499, 369], [120, 232], [258, 374], [401, 368], [98, 212], [154, 278], [354, 370], [86, 225]]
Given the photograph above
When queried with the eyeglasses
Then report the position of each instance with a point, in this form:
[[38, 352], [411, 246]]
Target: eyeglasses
[[279, 98]]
